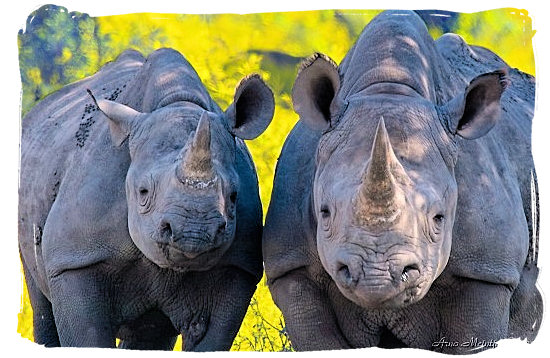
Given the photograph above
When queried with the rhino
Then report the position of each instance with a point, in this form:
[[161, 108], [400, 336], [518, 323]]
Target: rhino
[[404, 210], [139, 213]]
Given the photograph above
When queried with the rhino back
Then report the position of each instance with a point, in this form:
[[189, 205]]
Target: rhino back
[[396, 47], [61, 137], [167, 77], [289, 232], [493, 224]]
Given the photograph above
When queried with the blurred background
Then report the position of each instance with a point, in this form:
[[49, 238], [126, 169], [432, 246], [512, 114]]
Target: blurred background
[[59, 46]]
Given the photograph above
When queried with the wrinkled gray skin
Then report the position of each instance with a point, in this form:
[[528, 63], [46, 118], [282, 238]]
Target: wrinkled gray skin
[[402, 207], [140, 218]]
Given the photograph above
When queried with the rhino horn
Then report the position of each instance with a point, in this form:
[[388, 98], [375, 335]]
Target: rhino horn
[[197, 158], [379, 192]]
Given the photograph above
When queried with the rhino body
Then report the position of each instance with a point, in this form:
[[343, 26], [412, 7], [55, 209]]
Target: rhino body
[[139, 212], [404, 212]]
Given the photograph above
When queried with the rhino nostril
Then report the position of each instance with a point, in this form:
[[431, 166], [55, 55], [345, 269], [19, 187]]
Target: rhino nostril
[[344, 275], [166, 230], [409, 272]]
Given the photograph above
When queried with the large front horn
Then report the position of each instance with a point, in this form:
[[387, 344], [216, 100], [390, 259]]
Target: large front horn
[[197, 158], [379, 193], [378, 182]]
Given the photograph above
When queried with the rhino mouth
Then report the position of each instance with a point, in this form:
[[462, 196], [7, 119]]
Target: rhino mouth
[[383, 293], [380, 285], [184, 260], [193, 250]]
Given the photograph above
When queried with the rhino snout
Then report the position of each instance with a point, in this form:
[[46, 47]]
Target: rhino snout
[[376, 284], [192, 238]]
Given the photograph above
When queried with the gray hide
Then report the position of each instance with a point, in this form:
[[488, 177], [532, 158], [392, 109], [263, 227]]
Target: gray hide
[[402, 206], [139, 212]]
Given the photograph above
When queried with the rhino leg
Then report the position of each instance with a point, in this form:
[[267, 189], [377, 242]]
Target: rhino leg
[[218, 314], [81, 309], [151, 331], [44, 329], [160, 344], [526, 306], [314, 327], [474, 315]]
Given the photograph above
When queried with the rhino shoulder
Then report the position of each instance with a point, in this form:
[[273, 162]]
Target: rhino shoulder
[[59, 138], [288, 227], [64, 122], [127, 62], [491, 234], [467, 61], [245, 252]]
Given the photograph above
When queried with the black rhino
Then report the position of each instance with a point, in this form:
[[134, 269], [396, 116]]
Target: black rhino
[[404, 208], [140, 218]]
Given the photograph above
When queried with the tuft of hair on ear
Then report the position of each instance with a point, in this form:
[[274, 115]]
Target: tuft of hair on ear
[[308, 61], [247, 78], [504, 78], [252, 108], [315, 92], [474, 112]]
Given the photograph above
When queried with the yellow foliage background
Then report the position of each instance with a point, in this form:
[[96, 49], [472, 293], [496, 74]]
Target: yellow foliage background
[[223, 49]]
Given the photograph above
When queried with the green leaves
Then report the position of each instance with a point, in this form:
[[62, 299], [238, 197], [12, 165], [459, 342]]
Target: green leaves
[[56, 48]]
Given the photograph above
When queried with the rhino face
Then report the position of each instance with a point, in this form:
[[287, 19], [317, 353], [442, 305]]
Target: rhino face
[[384, 191], [181, 189], [384, 227], [182, 186]]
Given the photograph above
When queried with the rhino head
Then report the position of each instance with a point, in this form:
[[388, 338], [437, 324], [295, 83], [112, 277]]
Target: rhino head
[[182, 185], [384, 193]]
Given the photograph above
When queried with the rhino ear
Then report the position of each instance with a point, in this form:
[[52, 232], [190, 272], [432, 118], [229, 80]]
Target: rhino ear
[[475, 112], [121, 118], [314, 92], [252, 108]]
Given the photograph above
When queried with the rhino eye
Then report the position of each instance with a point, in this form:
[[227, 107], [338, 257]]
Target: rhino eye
[[325, 217], [233, 197], [325, 212], [144, 200], [439, 218], [438, 221], [145, 192]]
